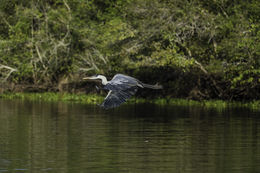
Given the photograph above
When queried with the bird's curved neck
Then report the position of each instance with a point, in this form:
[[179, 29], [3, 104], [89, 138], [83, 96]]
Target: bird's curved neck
[[103, 79]]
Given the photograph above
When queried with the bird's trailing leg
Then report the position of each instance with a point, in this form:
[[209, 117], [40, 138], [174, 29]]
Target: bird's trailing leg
[[98, 89]]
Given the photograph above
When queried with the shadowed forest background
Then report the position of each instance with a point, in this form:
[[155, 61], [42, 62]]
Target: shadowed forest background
[[195, 48]]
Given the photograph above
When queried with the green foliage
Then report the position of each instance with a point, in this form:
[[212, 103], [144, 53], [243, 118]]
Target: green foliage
[[95, 99], [49, 96], [216, 41]]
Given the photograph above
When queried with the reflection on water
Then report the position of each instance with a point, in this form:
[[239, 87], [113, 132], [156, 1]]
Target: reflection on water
[[67, 137]]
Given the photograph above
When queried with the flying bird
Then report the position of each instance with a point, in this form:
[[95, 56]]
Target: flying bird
[[120, 88]]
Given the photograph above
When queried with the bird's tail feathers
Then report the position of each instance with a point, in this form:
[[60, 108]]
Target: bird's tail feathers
[[156, 86]]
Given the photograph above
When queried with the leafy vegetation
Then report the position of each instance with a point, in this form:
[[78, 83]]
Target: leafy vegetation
[[97, 99], [49, 96], [196, 49]]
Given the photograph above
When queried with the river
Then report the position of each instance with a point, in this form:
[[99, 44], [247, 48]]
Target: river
[[143, 138]]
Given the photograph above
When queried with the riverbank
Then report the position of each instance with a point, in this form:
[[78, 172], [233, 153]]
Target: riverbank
[[97, 99]]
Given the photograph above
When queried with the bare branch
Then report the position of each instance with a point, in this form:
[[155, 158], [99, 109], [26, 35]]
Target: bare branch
[[40, 56], [86, 69], [11, 70]]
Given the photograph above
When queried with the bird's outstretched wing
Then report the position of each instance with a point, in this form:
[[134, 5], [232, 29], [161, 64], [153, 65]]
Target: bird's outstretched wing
[[116, 98]]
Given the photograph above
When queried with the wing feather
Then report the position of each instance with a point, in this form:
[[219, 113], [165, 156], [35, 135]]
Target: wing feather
[[121, 88], [116, 98]]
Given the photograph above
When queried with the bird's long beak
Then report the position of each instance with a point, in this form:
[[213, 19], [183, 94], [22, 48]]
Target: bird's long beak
[[87, 78]]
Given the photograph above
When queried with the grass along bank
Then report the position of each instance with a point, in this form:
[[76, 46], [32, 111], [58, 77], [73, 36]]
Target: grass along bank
[[97, 99], [51, 96]]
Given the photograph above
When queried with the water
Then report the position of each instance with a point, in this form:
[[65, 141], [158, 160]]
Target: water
[[70, 137]]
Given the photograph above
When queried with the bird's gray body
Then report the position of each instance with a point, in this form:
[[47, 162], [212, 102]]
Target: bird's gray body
[[122, 82], [121, 88]]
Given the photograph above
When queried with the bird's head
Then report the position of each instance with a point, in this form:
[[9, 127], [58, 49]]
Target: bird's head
[[96, 77]]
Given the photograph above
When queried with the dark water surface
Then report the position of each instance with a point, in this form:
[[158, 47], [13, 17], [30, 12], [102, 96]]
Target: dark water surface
[[70, 137]]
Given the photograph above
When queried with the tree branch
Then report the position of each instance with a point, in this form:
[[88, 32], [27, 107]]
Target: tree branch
[[11, 70]]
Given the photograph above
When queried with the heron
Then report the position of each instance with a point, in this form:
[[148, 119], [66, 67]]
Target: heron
[[120, 88]]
